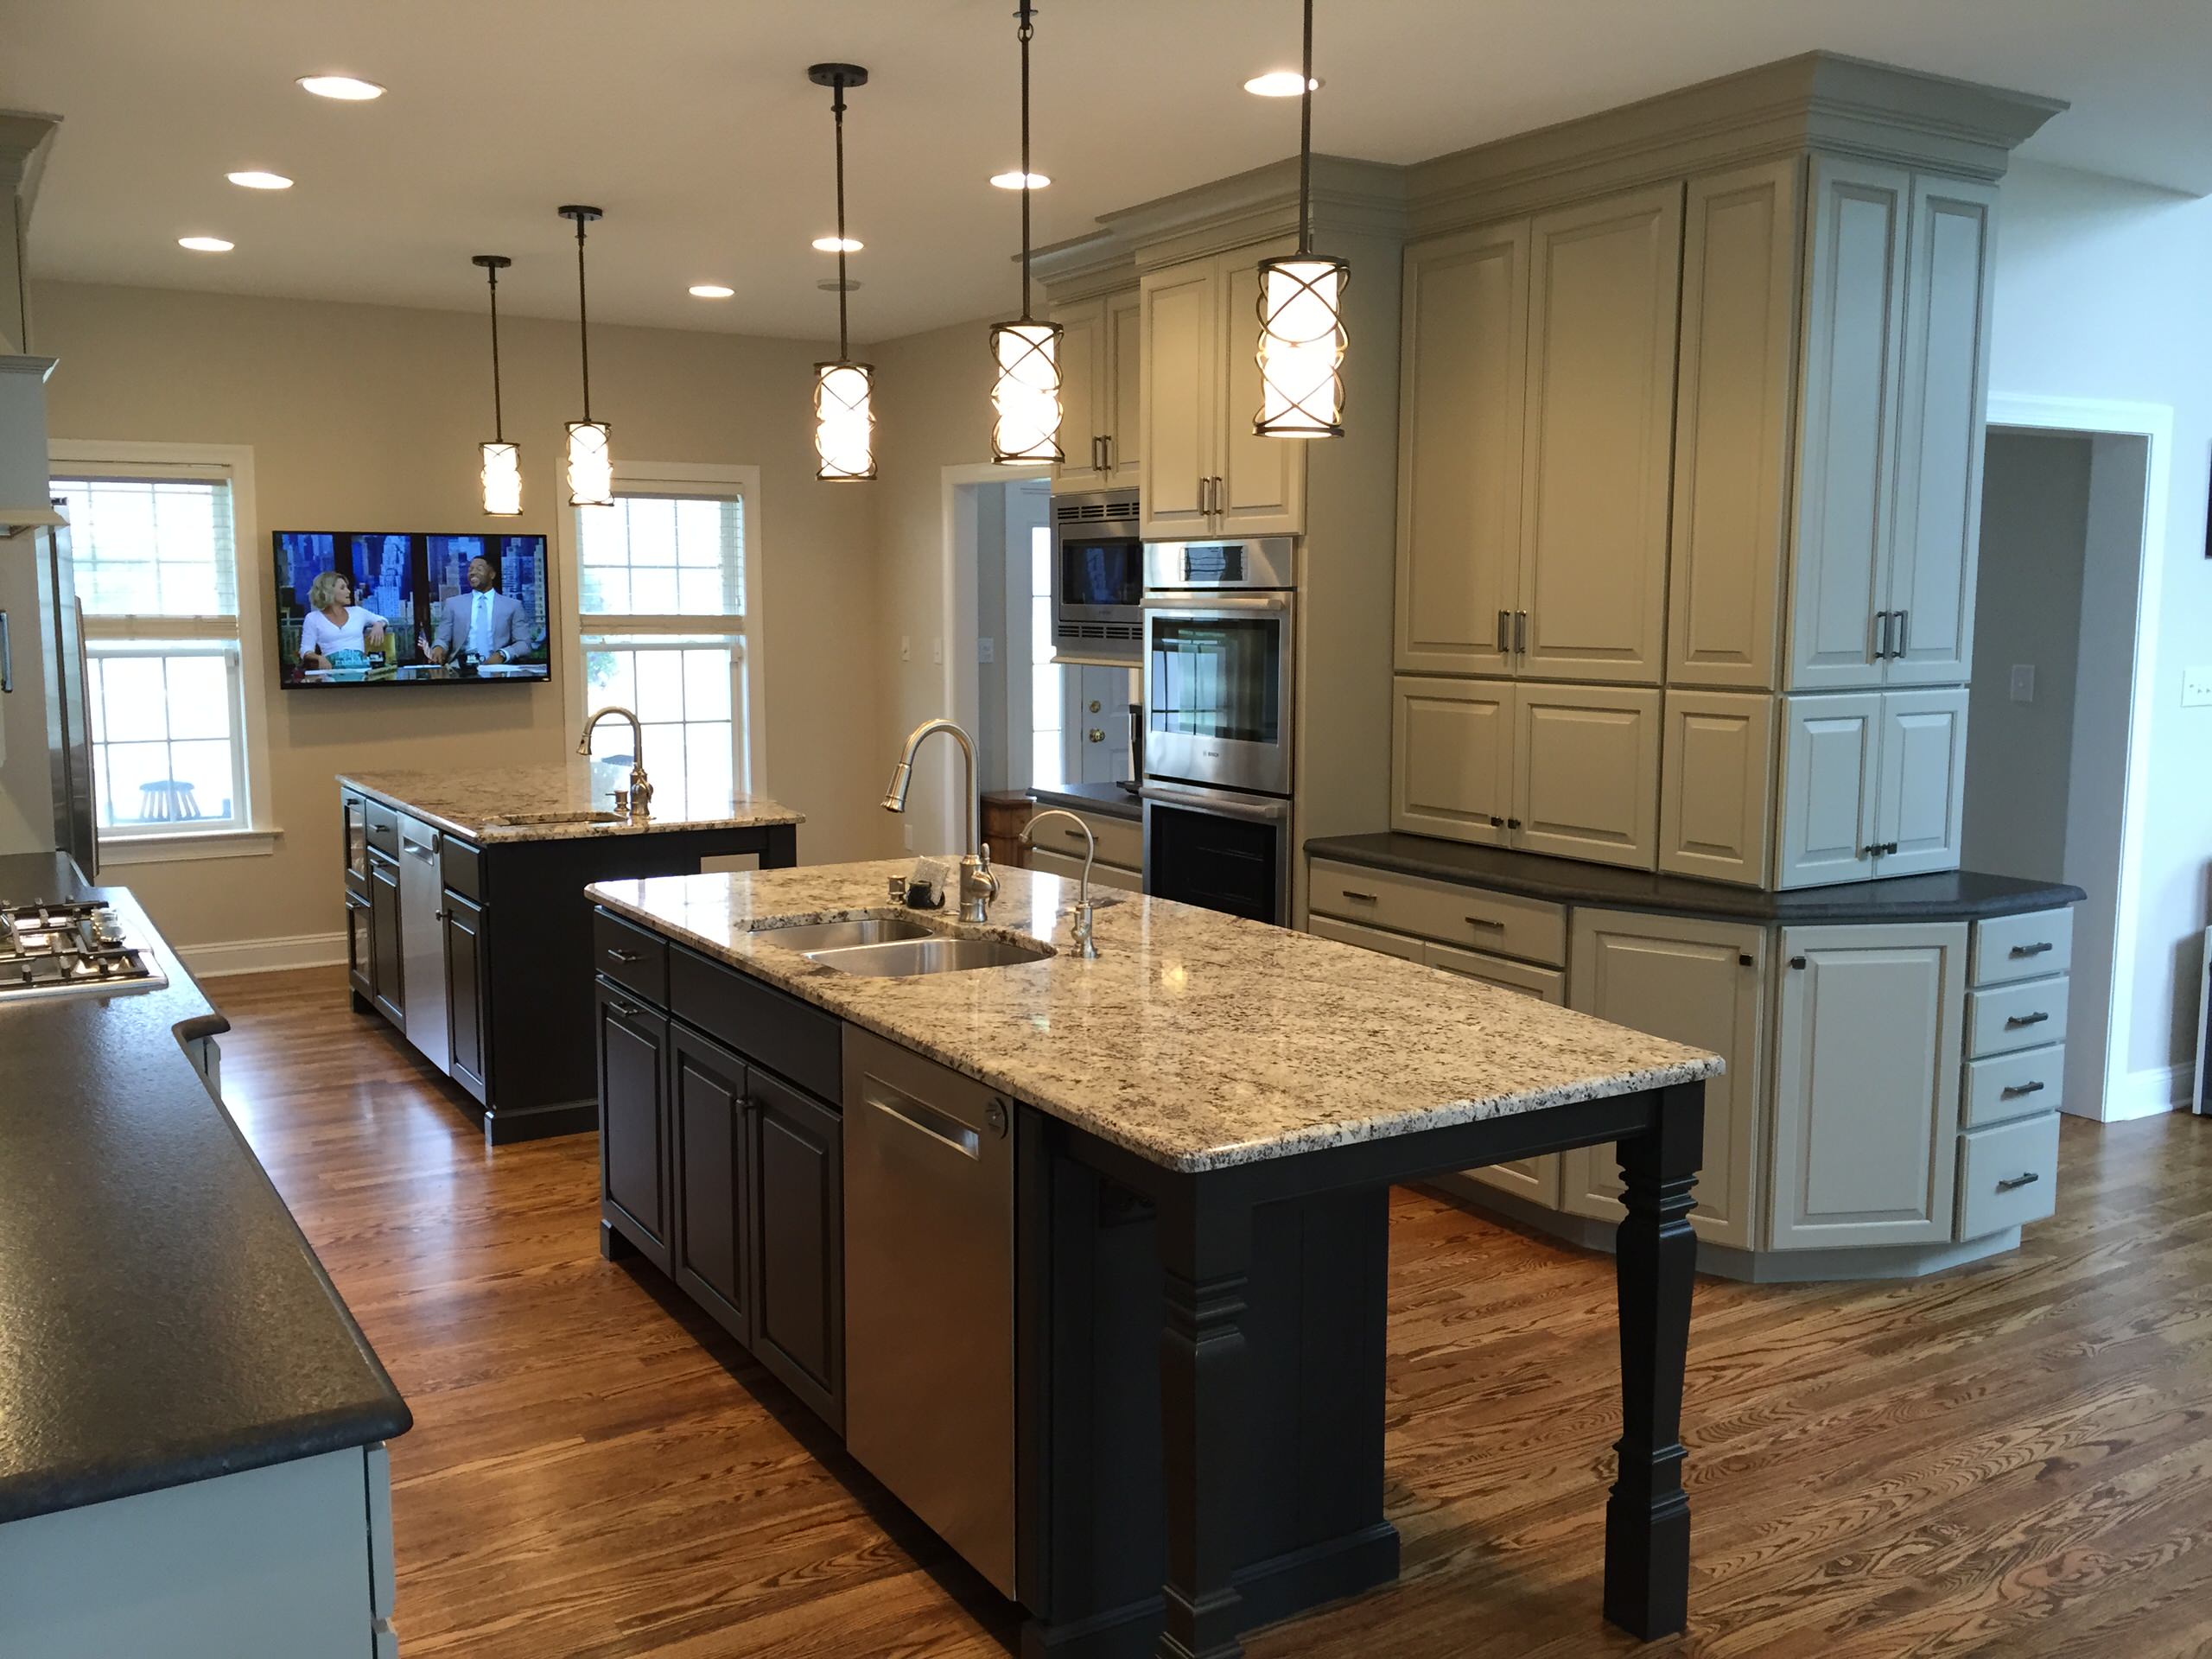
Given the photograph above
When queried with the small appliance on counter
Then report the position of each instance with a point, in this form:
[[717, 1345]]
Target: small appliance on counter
[[1097, 579], [75, 948]]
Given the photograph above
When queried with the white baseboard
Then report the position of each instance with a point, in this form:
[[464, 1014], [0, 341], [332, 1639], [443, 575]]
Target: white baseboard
[[263, 955], [2154, 1089]]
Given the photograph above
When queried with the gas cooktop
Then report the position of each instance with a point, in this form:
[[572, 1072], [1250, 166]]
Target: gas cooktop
[[71, 948]]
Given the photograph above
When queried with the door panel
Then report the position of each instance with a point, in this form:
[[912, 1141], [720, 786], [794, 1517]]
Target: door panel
[[1923, 780], [799, 1233], [1083, 327], [633, 1115], [384, 935], [1464, 382], [1604, 299], [360, 947], [468, 1016], [1121, 358], [1587, 764], [1716, 803], [1262, 479], [1451, 768], [1847, 432], [1177, 398], [1830, 748], [713, 1165]]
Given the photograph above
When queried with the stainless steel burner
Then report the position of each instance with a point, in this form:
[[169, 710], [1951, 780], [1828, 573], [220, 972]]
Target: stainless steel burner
[[71, 948]]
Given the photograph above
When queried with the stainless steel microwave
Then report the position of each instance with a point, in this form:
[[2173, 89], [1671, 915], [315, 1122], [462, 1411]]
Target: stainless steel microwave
[[1097, 579]]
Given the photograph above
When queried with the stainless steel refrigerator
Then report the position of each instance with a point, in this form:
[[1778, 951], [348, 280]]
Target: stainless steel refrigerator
[[46, 740]]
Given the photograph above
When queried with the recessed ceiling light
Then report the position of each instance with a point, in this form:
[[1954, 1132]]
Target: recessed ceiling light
[[1017, 179], [205, 243], [831, 244], [1278, 83], [252, 180], [710, 291], [347, 88]]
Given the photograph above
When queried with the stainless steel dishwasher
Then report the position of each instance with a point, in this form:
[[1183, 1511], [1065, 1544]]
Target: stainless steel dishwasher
[[422, 943], [929, 1294]]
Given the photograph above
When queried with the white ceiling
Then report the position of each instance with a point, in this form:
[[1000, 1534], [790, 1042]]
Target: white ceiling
[[692, 123]]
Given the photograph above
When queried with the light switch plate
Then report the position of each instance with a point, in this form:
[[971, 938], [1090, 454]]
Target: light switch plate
[[2197, 686], [906, 648], [987, 649], [2023, 682]]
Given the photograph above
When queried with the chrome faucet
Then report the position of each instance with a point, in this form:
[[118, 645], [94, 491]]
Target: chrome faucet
[[979, 884], [1085, 945], [639, 800]]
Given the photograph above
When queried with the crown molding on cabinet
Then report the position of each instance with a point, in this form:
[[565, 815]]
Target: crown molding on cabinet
[[1084, 267]]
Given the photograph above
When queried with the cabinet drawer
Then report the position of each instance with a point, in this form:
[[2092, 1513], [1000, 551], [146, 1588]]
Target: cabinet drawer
[[2021, 947], [1545, 984], [763, 1023], [1367, 939], [1495, 922], [2007, 1086], [631, 956], [1102, 875], [461, 865], [382, 827], [1121, 840], [2008, 1176], [2026, 1015]]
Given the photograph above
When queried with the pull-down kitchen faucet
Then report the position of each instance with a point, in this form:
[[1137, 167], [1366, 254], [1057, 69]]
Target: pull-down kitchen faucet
[[979, 884], [639, 801]]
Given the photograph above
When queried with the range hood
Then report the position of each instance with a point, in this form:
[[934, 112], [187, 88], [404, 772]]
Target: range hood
[[25, 497]]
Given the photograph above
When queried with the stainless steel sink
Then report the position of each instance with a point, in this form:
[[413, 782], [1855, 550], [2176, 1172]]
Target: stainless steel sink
[[933, 954], [833, 936]]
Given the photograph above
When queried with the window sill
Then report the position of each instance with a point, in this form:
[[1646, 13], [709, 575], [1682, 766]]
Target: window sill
[[186, 847]]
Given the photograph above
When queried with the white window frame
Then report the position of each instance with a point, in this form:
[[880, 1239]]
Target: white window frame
[[207, 462], [746, 632]]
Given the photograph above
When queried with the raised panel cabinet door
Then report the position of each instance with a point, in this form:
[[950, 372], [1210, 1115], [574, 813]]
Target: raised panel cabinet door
[[1177, 399], [1831, 746], [1451, 758], [467, 983], [1586, 773], [1262, 486], [1083, 384], [1689, 980], [633, 1117], [1848, 415], [713, 1178], [360, 948], [383, 939], [1462, 387], [1921, 802], [1944, 385], [1866, 1084], [798, 1242], [1121, 360], [1716, 786], [1604, 289], [1732, 425]]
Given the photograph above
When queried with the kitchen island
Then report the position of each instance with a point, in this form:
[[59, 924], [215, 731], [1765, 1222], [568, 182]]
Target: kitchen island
[[466, 925], [1169, 1300]]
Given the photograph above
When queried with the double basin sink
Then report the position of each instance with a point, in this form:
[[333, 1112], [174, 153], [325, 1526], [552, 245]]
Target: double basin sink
[[892, 947]]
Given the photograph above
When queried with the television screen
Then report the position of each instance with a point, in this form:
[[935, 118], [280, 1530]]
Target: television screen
[[384, 607]]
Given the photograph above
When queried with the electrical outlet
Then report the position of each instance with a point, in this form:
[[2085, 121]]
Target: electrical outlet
[[987, 649], [937, 650], [906, 648], [2197, 686], [906, 835], [2023, 682]]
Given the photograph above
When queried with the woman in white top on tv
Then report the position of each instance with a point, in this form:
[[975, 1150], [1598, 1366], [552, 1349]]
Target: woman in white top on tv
[[334, 623]]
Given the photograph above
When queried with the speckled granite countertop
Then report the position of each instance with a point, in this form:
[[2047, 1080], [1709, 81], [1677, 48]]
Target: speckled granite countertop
[[554, 802], [1196, 1039]]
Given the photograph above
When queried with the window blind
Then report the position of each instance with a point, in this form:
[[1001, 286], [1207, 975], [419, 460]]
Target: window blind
[[152, 547], [662, 553]]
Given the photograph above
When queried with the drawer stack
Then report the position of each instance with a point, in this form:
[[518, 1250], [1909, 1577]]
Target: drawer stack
[[2015, 1070], [1516, 944]]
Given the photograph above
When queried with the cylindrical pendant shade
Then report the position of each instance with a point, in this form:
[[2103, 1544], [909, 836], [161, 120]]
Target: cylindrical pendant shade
[[1027, 393], [591, 465], [1301, 347], [502, 477], [844, 420]]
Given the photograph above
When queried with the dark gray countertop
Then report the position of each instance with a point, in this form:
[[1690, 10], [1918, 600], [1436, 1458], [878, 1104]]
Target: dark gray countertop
[[163, 1318], [1956, 895], [1107, 800]]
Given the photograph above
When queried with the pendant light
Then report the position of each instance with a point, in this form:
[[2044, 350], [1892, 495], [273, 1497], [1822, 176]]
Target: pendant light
[[844, 418], [591, 462], [502, 469], [1025, 396], [1301, 333]]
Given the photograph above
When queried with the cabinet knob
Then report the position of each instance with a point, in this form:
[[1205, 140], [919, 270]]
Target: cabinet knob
[[1495, 822], [1746, 959], [1513, 823], [1797, 961]]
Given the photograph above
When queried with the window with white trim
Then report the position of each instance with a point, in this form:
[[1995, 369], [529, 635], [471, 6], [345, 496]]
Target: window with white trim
[[155, 554], [664, 625]]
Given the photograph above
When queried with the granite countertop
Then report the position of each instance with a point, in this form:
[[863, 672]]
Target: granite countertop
[[1952, 895], [555, 801], [161, 1319], [1107, 800], [1196, 1039]]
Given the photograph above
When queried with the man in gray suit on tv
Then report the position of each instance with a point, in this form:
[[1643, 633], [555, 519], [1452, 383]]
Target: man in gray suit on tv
[[484, 623]]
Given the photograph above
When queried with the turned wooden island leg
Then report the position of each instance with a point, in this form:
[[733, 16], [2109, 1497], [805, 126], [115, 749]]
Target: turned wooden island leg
[[1647, 1517]]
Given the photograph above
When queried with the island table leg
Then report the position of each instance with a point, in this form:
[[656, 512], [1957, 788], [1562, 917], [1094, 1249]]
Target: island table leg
[[1647, 1517]]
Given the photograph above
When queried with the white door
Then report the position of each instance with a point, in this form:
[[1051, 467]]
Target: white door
[[1262, 480], [1082, 344], [1451, 761], [1463, 383], [1847, 445], [1586, 773], [1831, 749], [1920, 803], [1177, 400], [1716, 786], [1688, 981], [1866, 1084], [1098, 724], [1121, 360]]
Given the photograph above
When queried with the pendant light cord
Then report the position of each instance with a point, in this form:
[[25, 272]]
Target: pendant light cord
[[837, 111], [1305, 139], [1024, 32], [583, 324], [498, 420]]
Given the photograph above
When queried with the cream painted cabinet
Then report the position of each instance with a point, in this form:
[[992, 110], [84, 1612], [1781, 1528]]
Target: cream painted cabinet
[[1690, 981], [1122, 358], [1537, 1179], [1873, 784], [1101, 370], [1867, 1044], [1205, 473], [1451, 758], [1920, 805], [1716, 791]]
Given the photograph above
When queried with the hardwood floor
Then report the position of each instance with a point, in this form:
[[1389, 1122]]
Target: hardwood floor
[[2011, 1460]]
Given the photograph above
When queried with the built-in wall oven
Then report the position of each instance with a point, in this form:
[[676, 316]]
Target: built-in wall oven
[[1219, 659], [1097, 578]]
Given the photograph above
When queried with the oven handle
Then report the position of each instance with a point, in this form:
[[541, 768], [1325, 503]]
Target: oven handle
[[1205, 800], [1207, 604]]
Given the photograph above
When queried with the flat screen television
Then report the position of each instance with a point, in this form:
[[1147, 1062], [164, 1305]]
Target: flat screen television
[[390, 608]]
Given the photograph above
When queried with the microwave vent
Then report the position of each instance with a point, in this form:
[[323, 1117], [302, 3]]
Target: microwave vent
[[1091, 510], [1132, 632]]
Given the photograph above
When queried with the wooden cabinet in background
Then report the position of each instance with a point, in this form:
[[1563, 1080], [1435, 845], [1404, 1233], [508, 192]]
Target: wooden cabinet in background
[[1101, 372]]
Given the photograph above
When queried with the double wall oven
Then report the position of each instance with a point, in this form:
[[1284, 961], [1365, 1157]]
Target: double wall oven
[[1219, 655]]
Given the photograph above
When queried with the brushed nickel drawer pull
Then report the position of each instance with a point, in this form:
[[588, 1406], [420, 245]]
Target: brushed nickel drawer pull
[[2011, 1181], [2014, 1022], [623, 955], [2035, 950], [1484, 921], [1363, 897], [624, 1009], [2014, 1091]]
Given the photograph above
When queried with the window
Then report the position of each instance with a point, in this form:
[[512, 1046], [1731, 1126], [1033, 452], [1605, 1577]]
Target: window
[[666, 623], [156, 551]]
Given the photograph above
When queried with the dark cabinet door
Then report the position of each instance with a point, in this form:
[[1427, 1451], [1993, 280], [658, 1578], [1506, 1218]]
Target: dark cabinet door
[[384, 935], [465, 984], [798, 1243], [360, 947], [633, 1120], [713, 1165]]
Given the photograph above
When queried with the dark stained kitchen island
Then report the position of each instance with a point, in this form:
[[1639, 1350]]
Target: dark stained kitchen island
[[1202, 1123]]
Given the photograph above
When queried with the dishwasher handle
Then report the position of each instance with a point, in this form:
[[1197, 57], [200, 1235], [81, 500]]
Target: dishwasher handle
[[924, 1118]]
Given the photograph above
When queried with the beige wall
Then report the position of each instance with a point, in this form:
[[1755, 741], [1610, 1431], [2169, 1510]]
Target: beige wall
[[370, 415]]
